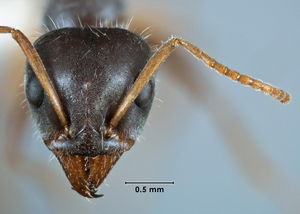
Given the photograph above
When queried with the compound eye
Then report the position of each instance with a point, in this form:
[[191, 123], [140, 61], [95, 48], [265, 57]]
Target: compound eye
[[146, 95], [34, 92]]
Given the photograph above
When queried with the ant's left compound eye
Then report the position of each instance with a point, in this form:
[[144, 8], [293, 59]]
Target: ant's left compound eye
[[146, 95], [34, 92]]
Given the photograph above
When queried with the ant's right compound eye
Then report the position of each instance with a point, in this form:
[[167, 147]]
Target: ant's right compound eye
[[34, 92]]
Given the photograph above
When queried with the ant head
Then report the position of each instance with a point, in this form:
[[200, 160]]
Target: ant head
[[91, 70]]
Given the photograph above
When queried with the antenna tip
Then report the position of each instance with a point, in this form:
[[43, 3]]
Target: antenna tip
[[286, 99]]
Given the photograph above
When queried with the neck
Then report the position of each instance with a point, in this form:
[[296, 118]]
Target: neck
[[79, 13]]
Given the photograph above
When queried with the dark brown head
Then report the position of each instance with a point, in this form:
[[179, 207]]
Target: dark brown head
[[91, 69]]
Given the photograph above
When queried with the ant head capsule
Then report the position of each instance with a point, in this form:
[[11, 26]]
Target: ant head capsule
[[92, 69]]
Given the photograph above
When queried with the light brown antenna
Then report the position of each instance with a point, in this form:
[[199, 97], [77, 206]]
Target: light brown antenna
[[39, 70], [161, 55]]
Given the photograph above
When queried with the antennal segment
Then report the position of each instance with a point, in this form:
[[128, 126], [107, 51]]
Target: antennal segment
[[165, 50], [39, 70]]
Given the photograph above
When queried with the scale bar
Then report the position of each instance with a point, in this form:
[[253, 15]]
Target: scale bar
[[149, 182]]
